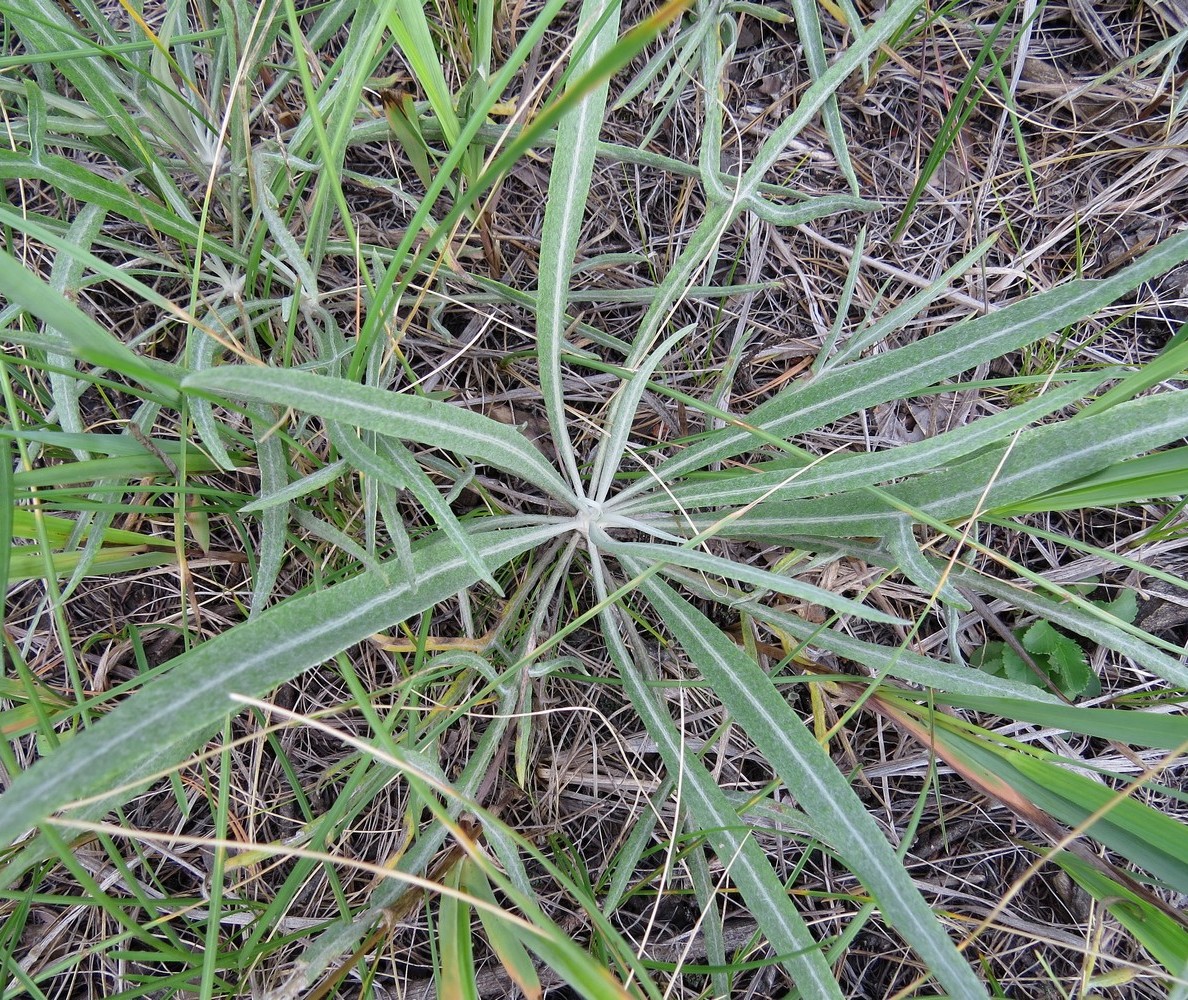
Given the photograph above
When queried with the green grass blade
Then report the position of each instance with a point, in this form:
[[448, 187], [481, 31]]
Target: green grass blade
[[407, 22], [86, 338], [455, 974], [1154, 840], [503, 938], [318, 480], [963, 106], [8, 512], [1171, 363], [1136, 728], [201, 349], [401, 271], [1163, 937], [1138, 480]]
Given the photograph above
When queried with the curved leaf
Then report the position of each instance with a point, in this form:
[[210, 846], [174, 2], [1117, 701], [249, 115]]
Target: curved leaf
[[415, 418], [251, 659]]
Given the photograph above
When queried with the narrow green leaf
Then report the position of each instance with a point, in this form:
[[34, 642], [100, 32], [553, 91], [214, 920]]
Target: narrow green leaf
[[791, 478], [569, 187], [407, 22], [883, 661], [1039, 459], [622, 416], [503, 937], [1163, 937], [296, 490], [729, 569], [274, 520], [1136, 728], [898, 317], [47, 29], [65, 280], [917, 366], [392, 463], [427, 421], [83, 335], [711, 812], [8, 511], [808, 29], [200, 353], [249, 659], [821, 790]]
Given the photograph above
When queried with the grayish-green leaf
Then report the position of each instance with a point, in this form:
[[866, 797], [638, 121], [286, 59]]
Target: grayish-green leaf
[[792, 478], [274, 476], [820, 788], [250, 659], [569, 187], [427, 421], [1043, 458], [729, 569], [917, 366], [712, 813]]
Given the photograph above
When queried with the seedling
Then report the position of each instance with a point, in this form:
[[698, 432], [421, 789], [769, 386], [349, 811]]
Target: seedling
[[1058, 655]]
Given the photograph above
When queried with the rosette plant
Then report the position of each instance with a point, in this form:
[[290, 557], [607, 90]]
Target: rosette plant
[[675, 563]]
